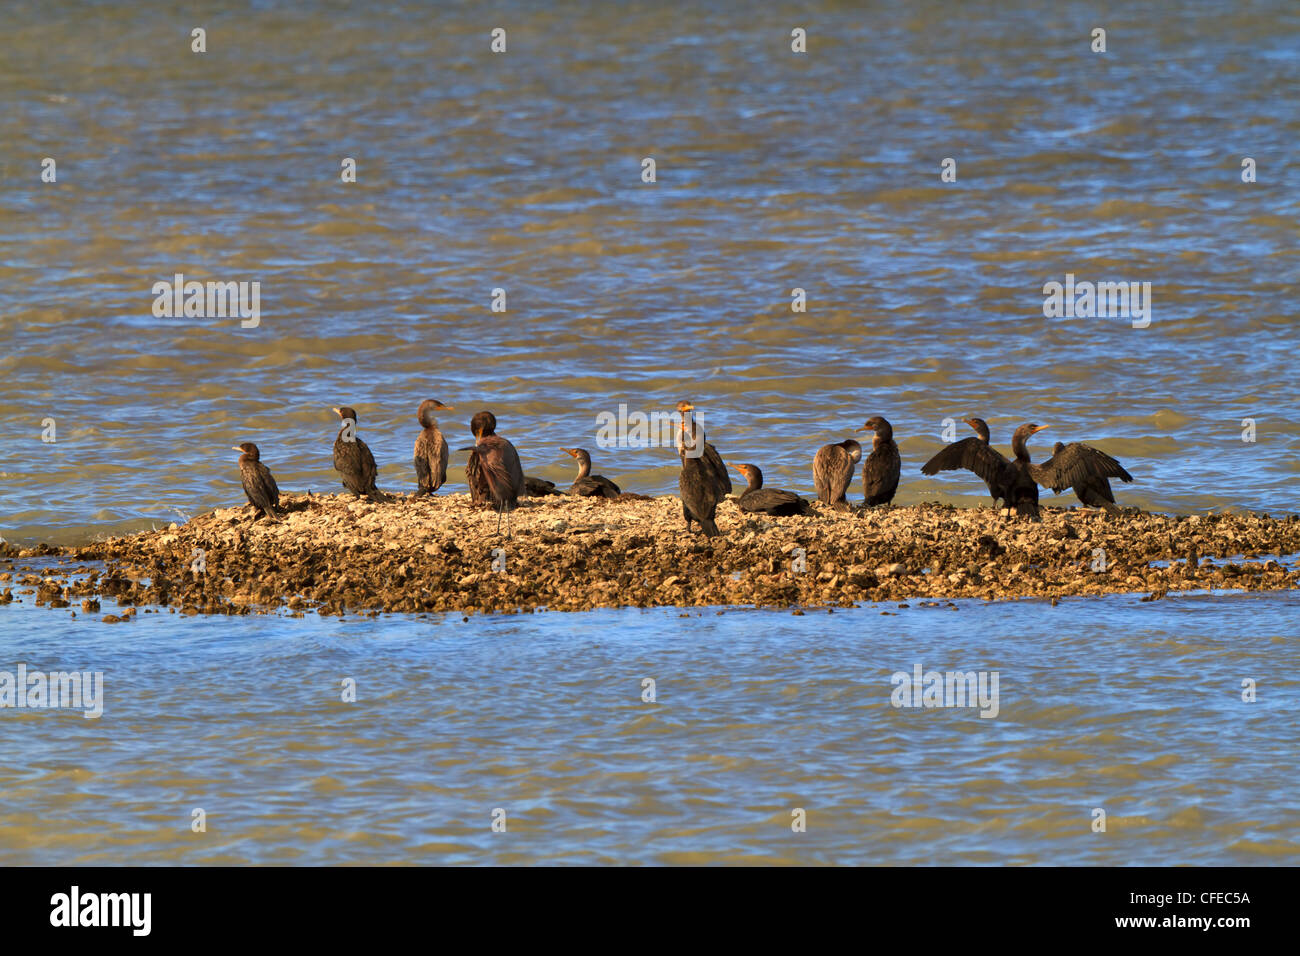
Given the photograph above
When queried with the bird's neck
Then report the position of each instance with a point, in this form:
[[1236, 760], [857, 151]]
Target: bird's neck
[[1019, 450], [584, 469]]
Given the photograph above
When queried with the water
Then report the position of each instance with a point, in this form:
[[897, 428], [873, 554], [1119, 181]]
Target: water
[[522, 171], [1133, 708]]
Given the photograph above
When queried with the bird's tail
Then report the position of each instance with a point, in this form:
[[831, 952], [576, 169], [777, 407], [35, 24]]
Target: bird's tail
[[272, 515], [1027, 509], [1111, 507], [710, 527]]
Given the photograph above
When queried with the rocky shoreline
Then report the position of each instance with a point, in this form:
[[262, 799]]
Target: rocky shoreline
[[334, 554]]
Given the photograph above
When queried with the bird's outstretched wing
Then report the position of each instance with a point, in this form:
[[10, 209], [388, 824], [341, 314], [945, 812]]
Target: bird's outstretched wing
[[1077, 465], [972, 454]]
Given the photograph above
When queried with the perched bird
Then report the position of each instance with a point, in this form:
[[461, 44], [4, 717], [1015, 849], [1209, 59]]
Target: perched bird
[[1084, 469], [965, 453], [833, 471], [1020, 483], [756, 499], [1013, 481], [698, 482], [352, 459], [259, 486], [587, 485], [709, 454], [430, 449], [881, 469], [493, 472], [539, 487]]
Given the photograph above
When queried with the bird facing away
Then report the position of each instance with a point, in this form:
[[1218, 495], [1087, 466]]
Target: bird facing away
[[698, 482], [587, 485], [352, 459], [756, 499], [259, 486], [973, 454], [712, 459], [881, 469], [430, 449], [1013, 481], [1084, 469], [833, 471], [494, 472]]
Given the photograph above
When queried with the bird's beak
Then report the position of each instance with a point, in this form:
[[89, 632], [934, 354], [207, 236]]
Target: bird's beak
[[864, 428], [1039, 429], [571, 452], [236, 448], [688, 407], [446, 408], [336, 411]]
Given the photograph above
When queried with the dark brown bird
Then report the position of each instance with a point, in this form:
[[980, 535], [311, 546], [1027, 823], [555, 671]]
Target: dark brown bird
[[430, 449], [833, 471], [1014, 480], [587, 485], [712, 459], [973, 454], [352, 459], [698, 482], [1021, 484], [259, 486], [1085, 470], [756, 499], [881, 469], [493, 472], [539, 487]]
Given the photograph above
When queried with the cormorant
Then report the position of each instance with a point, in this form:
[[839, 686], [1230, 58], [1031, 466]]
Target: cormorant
[[259, 486], [833, 471], [539, 487], [756, 499], [881, 469], [1084, 469], [493, 472], [430, 449], [1014, 480], [698, 482], [710, 455], [352, 459], [965, 454], [587, 485]]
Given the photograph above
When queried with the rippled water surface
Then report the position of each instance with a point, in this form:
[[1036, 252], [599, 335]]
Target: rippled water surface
[[522, 171], [1107, 703]]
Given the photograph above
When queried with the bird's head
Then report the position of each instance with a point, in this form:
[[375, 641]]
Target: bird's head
[[483, 423], [247, 448], [424, 414]]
